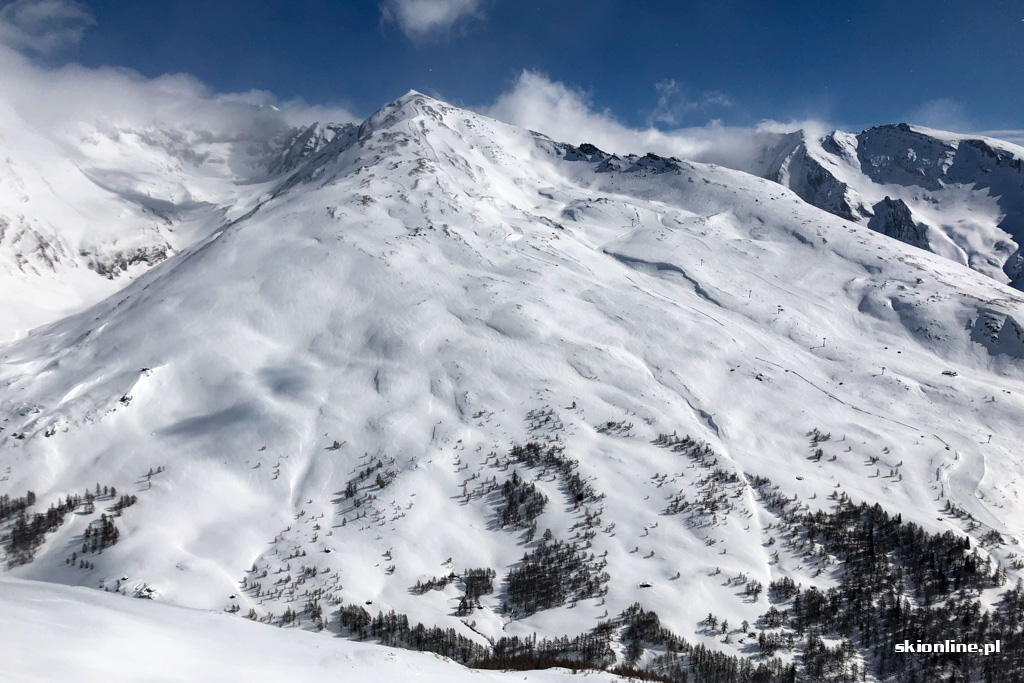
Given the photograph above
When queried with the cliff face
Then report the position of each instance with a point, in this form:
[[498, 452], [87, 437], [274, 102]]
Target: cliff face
[[958, 196], [892, 217]]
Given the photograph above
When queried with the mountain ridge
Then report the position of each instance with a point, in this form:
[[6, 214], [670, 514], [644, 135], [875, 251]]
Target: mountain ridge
[[337, 386], [964, 194]]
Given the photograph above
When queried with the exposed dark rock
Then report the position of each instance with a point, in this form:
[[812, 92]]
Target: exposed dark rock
[[893, 218], [117, 263]]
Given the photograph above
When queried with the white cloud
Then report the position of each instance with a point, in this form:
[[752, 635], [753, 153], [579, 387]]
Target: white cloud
[[43, 26], [550, 107], [72, 101], [944, 113], [294, 112], [674, 103], [420, 19]]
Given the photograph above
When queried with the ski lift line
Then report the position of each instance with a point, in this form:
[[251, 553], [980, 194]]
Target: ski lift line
[[772, 284], [601, 246], [836, 398], [882, 417], [794, 372], [824, 391]]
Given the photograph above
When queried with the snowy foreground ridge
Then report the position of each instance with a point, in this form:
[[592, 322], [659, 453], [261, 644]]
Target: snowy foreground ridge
[[547, 402], [98, 637]]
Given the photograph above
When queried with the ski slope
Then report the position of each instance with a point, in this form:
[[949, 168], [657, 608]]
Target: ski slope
[[414, 296], [94, 636]]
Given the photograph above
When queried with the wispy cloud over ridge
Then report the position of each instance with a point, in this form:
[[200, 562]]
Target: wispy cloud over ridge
[[73, 101], [539, 103], [44, 26], [675, 103], [942, 113]]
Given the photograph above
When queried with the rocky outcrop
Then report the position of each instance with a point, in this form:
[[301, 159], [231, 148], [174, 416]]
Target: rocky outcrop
[[959, 196], [893, 218]]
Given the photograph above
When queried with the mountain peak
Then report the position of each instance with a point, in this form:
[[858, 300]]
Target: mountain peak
[[412, 93], [497, 332], [411, 105]]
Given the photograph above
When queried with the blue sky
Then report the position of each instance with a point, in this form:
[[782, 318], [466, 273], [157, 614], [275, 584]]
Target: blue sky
[[649, 65]]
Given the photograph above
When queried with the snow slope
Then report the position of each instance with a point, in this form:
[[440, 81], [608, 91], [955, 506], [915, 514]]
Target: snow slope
[[959, 196], [94, 636], [422, 292], [88, 205]]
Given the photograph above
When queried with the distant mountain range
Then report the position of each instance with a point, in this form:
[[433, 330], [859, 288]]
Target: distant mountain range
[[961, 197]]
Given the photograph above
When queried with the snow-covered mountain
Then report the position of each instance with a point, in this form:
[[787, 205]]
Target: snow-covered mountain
[[959, 196], [87, 206], [147, 642], [323, 403]]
